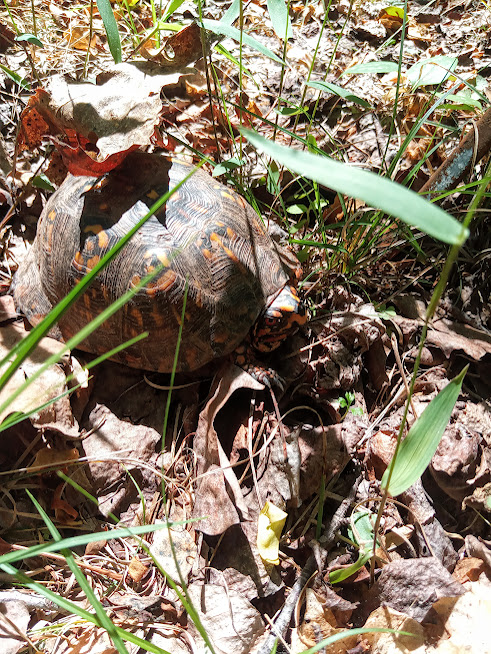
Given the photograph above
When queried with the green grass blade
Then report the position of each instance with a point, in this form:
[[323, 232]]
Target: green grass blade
[[104, 619], [19, 416], [419, 446], [28, 344], [111, 28], [14, 419], [376, 191], [75, 609], [80, 336], [217, 27], [340, 91], [88, 496], [372, 67], [278, 12], [83, 539], [15, 77]]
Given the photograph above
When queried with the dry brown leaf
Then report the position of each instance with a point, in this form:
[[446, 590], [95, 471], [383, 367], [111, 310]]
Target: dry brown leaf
[[464, 623], [237, 564], [388, 618], [452, 336], [6, 38], [470, 568], [477, 548], [49, 385], [462, 462], [213, 470], [231, 622], [183, 547], [318, 623], [49, 457], [112, 443], [64, 512], [391, 21], [136, 569], [86, 640], [78, 38], [102, 120], [14, 619], [481, 496], [413, 586], [181, 49], [7, 308]]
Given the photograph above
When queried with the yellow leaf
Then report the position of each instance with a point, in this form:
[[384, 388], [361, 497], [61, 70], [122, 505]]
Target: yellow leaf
[[269, 525]]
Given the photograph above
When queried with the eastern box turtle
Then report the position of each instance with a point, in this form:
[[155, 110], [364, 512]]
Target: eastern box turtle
[[206, 236]]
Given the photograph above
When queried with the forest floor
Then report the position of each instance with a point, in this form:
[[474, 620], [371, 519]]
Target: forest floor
[[253, 509]]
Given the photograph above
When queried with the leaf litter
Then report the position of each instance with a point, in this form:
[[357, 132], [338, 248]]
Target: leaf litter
[[227, 452]]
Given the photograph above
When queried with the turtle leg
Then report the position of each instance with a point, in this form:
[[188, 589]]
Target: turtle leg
[[245, 358]]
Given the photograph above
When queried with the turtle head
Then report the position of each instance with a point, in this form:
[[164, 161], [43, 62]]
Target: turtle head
[[282, 316]]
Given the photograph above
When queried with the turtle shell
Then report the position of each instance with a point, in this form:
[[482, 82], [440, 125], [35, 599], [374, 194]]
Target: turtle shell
[[206, 238]]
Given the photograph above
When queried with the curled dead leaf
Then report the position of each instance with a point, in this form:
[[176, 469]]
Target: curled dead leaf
[[136, 569], [106, 119]]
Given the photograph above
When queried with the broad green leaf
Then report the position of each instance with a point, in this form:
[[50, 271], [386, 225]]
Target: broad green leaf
[[459, 105], [297, 209], [30, 38], [15, 77], [434, 70], [171, 8], [111, 28], [41, 181], [395, 11], [372, 67], [273, 179], [337, 576], [419, 446], [361, 530], [338, 90], [278, 11], [289, 111], [232, 13], [217, 27], [225, 166], [376, 191]]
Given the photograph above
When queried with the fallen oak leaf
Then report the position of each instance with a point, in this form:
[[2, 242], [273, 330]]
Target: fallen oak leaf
[[179, 50], [116, 114], [48, 386], [64, 512], [213, 497], [48, 458]]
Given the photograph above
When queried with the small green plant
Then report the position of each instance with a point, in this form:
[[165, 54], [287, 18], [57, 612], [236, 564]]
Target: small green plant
[[347, 402]]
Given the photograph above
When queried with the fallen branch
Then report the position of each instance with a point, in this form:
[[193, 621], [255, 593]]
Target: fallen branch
[[459, 162]]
